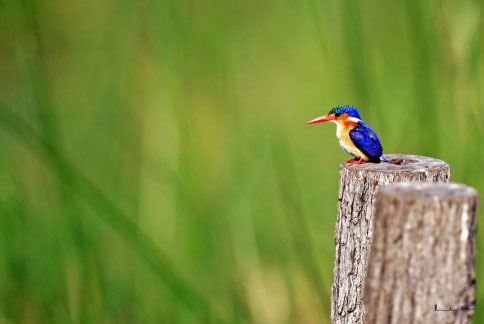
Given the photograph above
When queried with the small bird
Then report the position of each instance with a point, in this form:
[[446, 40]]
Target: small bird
[[355, 136]]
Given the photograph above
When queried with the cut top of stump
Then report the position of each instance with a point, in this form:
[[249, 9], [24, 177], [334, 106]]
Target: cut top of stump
[[427, 191], [400, 163]]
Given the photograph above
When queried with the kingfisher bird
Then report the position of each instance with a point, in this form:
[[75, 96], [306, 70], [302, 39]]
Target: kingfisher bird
[[355, 136]]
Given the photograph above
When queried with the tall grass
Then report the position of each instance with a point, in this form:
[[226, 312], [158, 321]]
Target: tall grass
[[155, 166]]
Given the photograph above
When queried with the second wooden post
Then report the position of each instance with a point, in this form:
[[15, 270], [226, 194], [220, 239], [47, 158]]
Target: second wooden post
[[421, 267]]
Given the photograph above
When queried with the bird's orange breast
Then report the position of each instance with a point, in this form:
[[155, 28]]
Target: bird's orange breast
[[343, 134]]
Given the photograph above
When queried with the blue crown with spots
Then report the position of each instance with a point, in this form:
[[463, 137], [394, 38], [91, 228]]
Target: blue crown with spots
[[346, 109]]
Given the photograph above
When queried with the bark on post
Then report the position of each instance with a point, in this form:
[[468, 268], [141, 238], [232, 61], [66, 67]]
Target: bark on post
[[354, 228], [422, 257]]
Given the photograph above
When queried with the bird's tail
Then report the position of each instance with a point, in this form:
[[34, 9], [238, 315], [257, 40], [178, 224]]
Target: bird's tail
[[384, 158]]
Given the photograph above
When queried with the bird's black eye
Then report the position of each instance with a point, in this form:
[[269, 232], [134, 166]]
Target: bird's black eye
[[337, 114]]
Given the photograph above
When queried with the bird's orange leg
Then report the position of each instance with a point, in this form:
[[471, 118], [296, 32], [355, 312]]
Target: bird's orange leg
[[353, 162]]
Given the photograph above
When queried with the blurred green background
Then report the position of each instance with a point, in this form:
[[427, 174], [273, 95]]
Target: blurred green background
[[155, 166]]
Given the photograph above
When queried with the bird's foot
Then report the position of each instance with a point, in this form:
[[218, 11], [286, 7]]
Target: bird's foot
[[353, 162]]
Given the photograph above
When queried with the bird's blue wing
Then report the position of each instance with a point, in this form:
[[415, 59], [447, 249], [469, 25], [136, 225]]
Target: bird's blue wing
[[366, 140]]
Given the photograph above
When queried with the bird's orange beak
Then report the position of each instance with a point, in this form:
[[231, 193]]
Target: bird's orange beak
[[321, 119]]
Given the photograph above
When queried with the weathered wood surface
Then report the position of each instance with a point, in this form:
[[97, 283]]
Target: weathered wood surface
[[422, 255], [354, 228]]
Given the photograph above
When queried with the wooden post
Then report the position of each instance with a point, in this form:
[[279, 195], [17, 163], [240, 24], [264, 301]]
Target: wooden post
[[354, 228], [421, 267]]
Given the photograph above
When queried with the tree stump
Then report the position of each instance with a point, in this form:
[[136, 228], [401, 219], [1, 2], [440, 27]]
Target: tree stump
[[422, 257], [354, 228]]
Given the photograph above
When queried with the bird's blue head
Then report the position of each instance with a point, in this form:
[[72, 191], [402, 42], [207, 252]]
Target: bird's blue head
[[346, 109], [338, 115]]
